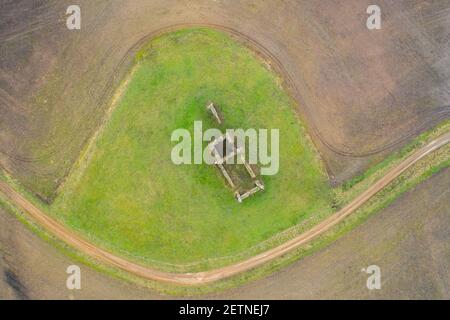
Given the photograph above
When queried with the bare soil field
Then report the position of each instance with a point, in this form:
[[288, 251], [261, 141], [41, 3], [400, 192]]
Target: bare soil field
[[409, 241], [362, 93], [191, 278]]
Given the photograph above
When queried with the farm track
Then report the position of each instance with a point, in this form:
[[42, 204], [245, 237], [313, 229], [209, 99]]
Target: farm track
[[429, 120], [200, 278]]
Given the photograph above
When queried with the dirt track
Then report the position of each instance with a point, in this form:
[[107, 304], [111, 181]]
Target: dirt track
[[381, 87], [213, 275], [409, 240]]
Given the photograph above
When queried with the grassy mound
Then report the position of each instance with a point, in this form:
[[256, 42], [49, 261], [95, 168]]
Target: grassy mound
[[131, 199]]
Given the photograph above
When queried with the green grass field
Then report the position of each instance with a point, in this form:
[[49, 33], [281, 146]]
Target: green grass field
[[131, 199]]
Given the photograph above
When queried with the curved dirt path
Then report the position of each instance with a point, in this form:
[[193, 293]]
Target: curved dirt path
[[200, 278]]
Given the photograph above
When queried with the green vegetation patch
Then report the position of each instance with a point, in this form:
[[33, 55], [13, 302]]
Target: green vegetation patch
[[127, 196]]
